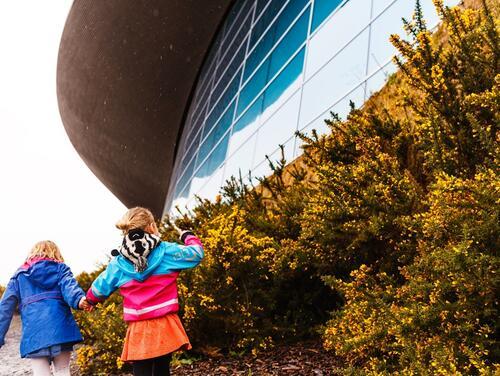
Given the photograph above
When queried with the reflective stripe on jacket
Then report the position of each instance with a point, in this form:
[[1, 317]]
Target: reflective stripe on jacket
[[152, 293]]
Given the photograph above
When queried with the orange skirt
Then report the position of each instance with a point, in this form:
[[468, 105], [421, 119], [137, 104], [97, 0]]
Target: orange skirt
[[152, 338]]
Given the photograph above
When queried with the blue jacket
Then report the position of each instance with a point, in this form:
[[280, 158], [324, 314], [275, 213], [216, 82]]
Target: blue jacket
[[152, 293], [44, 290]]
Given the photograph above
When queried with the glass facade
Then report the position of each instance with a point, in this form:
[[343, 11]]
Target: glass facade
[[278, 66]]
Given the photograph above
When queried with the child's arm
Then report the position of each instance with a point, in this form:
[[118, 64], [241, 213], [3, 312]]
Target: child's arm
[[7, 307], [186, 256], [71, 291], [104, 285]]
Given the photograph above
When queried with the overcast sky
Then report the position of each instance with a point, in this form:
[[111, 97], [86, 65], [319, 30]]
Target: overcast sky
[[46, 191]]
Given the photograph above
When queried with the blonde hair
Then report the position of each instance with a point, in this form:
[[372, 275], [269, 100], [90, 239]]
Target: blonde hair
[[135, 218], [46, 249]]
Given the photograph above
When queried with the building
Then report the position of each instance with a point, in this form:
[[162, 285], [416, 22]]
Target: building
[[165, 100]]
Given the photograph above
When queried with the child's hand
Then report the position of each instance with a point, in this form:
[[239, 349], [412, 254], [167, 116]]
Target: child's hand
[[85, 305]]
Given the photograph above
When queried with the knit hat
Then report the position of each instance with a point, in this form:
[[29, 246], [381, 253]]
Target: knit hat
[[136, 247]]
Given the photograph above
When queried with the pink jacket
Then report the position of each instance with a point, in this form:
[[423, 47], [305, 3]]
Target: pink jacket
[[152, 293]]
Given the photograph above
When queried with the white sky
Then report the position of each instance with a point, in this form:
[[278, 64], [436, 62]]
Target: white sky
[[46, 191]]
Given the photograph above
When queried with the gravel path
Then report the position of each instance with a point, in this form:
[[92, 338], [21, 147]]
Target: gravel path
[[11, 363]]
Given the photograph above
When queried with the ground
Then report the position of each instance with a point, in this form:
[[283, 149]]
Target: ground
[[300, 359], [11, 363]]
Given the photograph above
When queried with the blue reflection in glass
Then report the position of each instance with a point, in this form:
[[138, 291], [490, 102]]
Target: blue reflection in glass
[[273, 91], [193, 143], [260, 5], [250, 115], [285, 79], [215, 160], [222, 126], [284, 20], [288, 45], [322, 9], [185, 178], [254, 86], [234, 20], [213, 138], [265, 20], [234, 58], [221, 105], [229, 93], [292, 41]]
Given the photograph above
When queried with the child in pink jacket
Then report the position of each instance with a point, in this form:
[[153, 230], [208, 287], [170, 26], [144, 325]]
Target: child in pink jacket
[[146, 270]]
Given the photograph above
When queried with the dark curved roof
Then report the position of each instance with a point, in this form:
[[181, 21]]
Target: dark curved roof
[[125, 74]]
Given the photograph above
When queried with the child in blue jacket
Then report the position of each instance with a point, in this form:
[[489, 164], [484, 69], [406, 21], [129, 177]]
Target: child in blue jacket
[[45, 291]]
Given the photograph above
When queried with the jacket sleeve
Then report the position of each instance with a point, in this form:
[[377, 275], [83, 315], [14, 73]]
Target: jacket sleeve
[[70, 289], [8, 305], [104, 285], [185, 256]]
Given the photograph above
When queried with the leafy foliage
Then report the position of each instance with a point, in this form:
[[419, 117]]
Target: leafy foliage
[[437, 312], [383, 236], [104, 332], [442, 318]]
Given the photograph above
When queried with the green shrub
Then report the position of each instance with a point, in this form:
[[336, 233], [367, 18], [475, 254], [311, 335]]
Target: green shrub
[[442, 319], [103, 331], [390, 222], [437, 311]]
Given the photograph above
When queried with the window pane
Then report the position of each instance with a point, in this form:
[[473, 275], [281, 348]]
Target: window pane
[[252, 113], [294, 38], [280, 127], [215, 135], [192, 147], [186, 176], [217, 102], [253, 87], [341, 75], [260, 5], [234, 59], [215, 159], [234, 19], [229, 79], [284, 20], [265, 20], [246, 126], [211, 185], [198, 120], [285, 79], [222, 104], [335, 34], [241, 159], [322, 9]]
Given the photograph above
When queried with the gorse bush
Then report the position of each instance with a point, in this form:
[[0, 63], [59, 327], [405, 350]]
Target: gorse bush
[[383, 237], [252, 287], [104, 332], [437, 312], [442, 319]]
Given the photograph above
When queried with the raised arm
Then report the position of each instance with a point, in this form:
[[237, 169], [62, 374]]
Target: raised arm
[[8, 305], [185, 256], [70, 289], [104, 285]]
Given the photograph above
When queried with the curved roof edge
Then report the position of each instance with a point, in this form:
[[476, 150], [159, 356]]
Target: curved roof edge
[[125, 76]]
